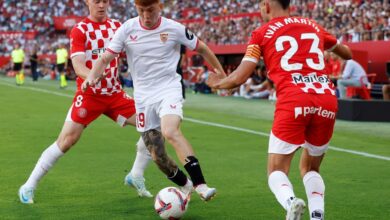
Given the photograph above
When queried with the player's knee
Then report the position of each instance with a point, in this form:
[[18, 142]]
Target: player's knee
[[65, 142], [154, 141], [171, 133]]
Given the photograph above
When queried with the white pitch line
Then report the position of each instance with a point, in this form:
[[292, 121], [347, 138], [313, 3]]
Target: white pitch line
[[267, 135], [213, 124]]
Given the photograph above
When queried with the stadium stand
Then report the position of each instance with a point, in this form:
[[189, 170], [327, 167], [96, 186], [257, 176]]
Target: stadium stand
[[216, 22]]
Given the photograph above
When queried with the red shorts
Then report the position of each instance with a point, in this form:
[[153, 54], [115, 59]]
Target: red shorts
[[87, 107], [307, 119]]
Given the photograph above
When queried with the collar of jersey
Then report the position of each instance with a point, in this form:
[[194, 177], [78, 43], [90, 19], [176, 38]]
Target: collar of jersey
[[152, 28], [103, 22]]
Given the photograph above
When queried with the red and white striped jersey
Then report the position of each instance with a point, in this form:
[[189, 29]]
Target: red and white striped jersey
[[92, 38]]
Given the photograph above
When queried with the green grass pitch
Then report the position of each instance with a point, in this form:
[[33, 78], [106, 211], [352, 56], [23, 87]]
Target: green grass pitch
[[87, 183]]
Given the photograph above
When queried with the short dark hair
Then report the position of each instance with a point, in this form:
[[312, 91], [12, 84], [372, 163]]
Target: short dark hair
[[284, 3], [146, 3]]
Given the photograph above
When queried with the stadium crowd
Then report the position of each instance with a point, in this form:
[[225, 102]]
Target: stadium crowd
[[349, 20]]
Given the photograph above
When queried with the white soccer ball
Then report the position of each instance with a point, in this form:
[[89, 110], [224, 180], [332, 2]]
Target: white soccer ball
[[170, 203]]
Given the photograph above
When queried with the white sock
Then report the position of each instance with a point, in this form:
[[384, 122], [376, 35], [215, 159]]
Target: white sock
[[281, 186], [315, 191], [45, 162], [142, 159]]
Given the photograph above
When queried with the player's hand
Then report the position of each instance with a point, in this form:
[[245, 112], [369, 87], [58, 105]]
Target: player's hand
[[214, 78], [87, 82]]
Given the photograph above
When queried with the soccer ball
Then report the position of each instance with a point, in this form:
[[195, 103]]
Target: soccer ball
[[171, 203]]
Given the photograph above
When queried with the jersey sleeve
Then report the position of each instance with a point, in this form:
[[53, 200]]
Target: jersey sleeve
[[77, 42], [186, 37], [118, 41], [330, 41], [253, 52]]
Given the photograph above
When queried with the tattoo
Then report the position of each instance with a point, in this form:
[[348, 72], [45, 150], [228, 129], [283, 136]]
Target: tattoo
[[154, 141]]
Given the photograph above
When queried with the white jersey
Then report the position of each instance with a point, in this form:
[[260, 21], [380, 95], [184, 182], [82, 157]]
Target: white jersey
[[152, 56]]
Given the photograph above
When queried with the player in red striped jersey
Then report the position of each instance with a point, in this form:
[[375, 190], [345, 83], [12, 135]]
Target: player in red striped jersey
[[293, 52], [89, 38]]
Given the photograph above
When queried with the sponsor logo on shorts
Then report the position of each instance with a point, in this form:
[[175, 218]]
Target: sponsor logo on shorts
[[82, 112], [314, 111], [173, 106]]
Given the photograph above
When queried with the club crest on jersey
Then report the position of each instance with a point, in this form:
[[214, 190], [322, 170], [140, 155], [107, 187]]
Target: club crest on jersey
[[164, 37]]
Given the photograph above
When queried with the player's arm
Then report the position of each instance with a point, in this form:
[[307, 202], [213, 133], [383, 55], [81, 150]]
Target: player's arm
[[78, 62], [238, 77], [210, 57], [97, 71], [343, 51], [331, 44]]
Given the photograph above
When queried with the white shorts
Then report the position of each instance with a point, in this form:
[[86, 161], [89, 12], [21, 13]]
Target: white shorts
[[149, 116], [277, 146]]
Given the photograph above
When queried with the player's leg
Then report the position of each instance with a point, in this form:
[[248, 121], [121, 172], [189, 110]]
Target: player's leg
[[318, 134], [83, 111], [155, 144], [122, 110], [148, 124], [314, 184], [69, 135], [21, 76], [280, 185], [170, 127], [135, 177], [286, 137], [16, 69], [61, 72]]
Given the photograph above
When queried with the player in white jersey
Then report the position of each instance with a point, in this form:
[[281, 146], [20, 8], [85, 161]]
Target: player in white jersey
[[152, 45], [89, 38]]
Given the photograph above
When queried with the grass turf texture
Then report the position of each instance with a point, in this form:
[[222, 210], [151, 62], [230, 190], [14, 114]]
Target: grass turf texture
[[87, 183]]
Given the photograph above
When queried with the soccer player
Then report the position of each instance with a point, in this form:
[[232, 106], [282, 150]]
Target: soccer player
[[89, 38], [17, 57], [293, 51], [152, 45], [62, 64]]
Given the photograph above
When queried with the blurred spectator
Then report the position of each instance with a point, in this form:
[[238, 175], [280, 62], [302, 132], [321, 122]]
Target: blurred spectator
[[353, 76], [386, 91], [34, 64], [200, 85], [62, 64], [348, 20]]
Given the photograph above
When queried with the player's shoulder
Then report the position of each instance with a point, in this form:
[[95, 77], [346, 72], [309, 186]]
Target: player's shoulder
[[81, 26], [171, 22], [130, 23], [114, 22], [260, 30]]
